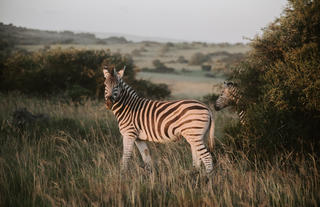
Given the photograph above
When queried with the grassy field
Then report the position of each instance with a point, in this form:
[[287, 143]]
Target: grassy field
[[188, 85], [154, 50], [72, 159]]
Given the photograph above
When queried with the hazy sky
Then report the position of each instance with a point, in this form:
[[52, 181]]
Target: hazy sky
[[189, 20]]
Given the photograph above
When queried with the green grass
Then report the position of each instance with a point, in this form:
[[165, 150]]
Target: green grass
[[73, 160]]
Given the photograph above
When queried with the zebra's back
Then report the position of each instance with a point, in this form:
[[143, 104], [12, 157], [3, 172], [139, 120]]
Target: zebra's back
[[163, 121]]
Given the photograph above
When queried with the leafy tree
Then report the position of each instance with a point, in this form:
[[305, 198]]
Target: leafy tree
[[280, 81]]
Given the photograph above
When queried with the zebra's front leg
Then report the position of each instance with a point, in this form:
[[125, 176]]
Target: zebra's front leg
[[145, 153], [127, 151]]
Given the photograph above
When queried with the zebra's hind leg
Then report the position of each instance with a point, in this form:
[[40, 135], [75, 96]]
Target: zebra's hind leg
[[207, 160], [145, 153], [200, 149], [196, 162], [128, 143]]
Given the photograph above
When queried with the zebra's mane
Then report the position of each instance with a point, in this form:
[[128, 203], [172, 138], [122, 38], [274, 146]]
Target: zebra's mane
[[126, 93], [127, 88]]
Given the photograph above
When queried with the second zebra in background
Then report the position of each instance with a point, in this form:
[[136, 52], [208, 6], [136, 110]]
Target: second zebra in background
[[230, 96]]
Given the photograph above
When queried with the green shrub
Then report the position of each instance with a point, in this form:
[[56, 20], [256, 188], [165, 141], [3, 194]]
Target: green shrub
[[76, 93], [280, 81], [74, 73], [55, 71], [147, 89]]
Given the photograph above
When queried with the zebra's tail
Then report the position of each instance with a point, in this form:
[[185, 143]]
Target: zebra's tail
[[211, 134]]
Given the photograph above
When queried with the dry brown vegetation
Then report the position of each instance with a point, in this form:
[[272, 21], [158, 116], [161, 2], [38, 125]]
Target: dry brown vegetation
[[73, 160]]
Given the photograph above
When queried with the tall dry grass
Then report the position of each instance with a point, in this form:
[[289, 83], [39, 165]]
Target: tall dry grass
[[73, 160]]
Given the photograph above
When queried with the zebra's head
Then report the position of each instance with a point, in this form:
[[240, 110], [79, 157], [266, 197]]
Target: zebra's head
[[227, 96], [113, 84]]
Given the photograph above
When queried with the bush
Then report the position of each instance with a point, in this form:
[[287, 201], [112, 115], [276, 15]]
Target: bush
[[55, 71], [199, 58], [71, 72], [158, 64], [182, 59], [280, 81], [159, 67], [154, 91], [76, 93], [206, 67]]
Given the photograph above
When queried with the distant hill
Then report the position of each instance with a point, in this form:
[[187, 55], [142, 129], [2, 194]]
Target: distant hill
[[13, 35], [136, 38]]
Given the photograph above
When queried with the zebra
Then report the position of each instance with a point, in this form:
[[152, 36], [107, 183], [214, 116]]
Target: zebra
[[141, 120], [230, 96]]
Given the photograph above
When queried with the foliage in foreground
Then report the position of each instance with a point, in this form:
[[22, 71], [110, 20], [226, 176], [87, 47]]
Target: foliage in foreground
[[280, 82], [73, 160], [71, 72]]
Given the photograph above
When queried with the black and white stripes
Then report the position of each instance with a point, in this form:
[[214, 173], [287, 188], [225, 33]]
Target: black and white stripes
[[230, 96], [141, 120]]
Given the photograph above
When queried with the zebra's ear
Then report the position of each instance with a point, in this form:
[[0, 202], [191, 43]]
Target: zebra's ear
[[114, 72], [121, 72], [106, 73], [230, 83]]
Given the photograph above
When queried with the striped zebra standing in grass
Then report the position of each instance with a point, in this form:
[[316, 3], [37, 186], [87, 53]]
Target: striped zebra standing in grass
[[230, 96], [142, 120]]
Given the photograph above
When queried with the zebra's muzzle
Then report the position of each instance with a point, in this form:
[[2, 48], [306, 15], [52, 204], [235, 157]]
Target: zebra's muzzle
[[217, 108]]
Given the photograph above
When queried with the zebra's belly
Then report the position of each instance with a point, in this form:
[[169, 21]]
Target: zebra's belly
[[143, 136]]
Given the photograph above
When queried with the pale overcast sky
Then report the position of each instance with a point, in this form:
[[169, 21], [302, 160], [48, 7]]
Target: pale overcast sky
[[189, 20]]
